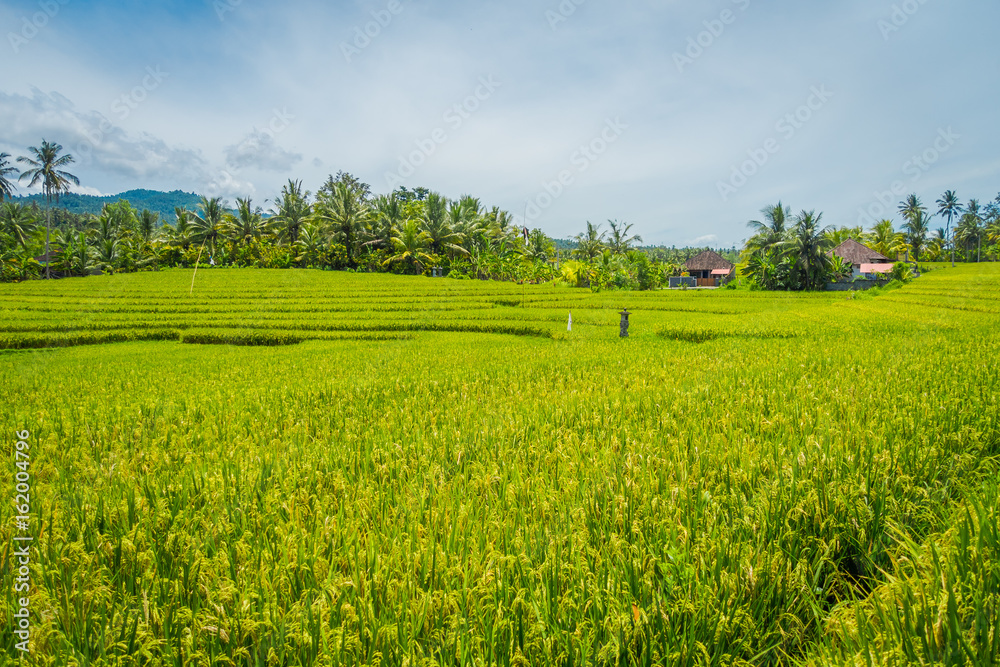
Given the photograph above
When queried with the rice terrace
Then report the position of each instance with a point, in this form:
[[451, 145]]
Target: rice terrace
[[411, 333], [267, 467]]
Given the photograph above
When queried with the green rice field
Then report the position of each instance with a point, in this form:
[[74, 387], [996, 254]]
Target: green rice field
[[322, 468]]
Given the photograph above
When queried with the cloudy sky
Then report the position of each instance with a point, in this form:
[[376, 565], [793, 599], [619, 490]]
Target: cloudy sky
[[683, 118]]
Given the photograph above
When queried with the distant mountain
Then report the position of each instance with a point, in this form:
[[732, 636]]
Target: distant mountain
[[154, 200]]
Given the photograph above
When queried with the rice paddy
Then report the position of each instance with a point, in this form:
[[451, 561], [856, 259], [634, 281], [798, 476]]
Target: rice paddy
[[306, 467]]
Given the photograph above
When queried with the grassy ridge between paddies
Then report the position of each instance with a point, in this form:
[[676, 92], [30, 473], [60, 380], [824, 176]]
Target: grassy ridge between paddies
[[826, 498]]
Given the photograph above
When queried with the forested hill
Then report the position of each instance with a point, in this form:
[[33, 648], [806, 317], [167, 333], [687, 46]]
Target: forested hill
[[154, 200]]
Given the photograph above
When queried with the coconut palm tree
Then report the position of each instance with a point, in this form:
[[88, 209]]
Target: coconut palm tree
[[293, 209], [105, 227], [539, 247], [911, 206], [841, 234], [148, 223], [17, 222], [949, 207], [209, 227], [387, 216], [771, 232], [620, 241], [917, 226], [309, 246], [107, 254], [436, 224], [969, 231], [247, 224], [46, 169], [343, 212], [78, 256], [806, 247], [6, 187], [180, 232], [993, 221], [590, 243], [884, 239], [410, 247]]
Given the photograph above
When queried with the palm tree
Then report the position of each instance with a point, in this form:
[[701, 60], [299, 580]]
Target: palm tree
[[309, 246], [78, 256], [107, 254], [914, 212], [590, 243], [148, 222], [437, 226], [911, 206], [344, 212], [45, 168], [106, 227], [620, 240], [771, 232], [539, 247], [6, 187], [410, 246], [917, 226], [806, 246], [209, 227], [293, 209], [387, 216], [993, 220], [246, 225], [884, 239], [180, 232], [841, 234], [970, 227], [762, 269], [949, 207], [17, 222]]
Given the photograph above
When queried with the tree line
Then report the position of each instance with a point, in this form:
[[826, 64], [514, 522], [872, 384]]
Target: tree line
[[343, 226], [793, 252]]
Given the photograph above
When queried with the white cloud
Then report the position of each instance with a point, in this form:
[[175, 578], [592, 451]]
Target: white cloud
[[259, 149], [95, 141], [87, 190]]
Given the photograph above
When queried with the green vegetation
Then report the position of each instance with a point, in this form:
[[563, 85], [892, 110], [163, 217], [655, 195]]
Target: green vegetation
[[793, 253], [343, 227], [390, 477]]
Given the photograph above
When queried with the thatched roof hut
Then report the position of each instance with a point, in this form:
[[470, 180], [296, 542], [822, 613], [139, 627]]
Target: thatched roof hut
[[858, 254]]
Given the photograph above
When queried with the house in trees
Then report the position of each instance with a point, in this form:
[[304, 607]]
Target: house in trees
[[710, 269], [864, 260]]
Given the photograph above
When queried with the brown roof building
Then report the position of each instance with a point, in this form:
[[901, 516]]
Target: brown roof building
[[708, 265], [858, 254], [864, 261]]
